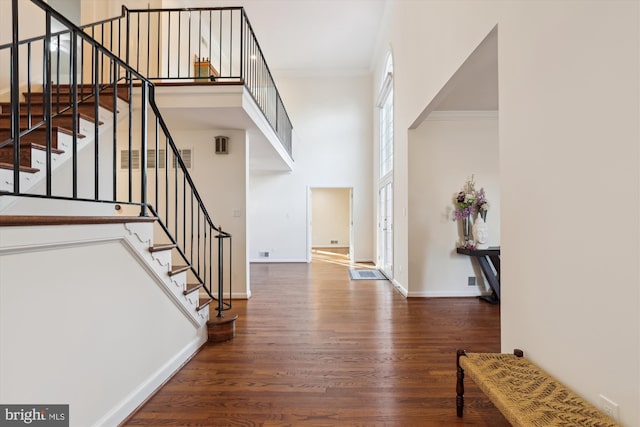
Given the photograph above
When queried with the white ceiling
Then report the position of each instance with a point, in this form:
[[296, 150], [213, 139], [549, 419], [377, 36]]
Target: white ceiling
[[312, 36], [338, 37]]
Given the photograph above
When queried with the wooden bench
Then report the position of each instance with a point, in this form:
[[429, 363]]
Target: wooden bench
[[525, 394]]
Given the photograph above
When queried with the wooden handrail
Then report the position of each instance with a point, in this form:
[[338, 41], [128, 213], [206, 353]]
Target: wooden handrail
[[34, 220]]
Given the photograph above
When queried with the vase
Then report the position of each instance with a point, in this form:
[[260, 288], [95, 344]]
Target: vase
[[483, 214], [466, 230], [481, 233]]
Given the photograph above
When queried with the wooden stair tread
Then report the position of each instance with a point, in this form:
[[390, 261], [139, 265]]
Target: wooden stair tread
[[178, 269], [33, 145], [39, 135], [28, 220], [192, 287], [203, 302], [37, 108], [164, 247], [87, 88], [26, 169], [63, 120]]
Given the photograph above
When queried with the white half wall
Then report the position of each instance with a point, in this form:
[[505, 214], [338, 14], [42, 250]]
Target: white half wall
[[443, 153], [84, 323], [332, 148]]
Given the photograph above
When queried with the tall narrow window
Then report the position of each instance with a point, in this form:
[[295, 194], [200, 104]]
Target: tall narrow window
[[385, 103]]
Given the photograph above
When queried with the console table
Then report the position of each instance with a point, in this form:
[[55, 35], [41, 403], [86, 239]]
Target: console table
[[483, 256]]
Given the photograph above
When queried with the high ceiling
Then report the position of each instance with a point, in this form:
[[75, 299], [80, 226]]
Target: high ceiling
[[312, 36], [338, 37]]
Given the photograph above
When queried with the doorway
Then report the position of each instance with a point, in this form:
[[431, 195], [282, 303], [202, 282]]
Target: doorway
[[385, 228], [331, 221]]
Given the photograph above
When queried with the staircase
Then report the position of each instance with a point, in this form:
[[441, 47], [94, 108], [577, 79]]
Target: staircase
[[33, 146], [79, 139], [89, 118]]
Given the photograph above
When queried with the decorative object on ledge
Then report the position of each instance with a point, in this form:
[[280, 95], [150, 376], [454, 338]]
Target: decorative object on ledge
[[481, 232], [203, 69], [468, 203], [464, 202]]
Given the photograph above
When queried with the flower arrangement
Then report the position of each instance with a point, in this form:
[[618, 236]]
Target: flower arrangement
[[482, 205], [470, 201], [465, 201]]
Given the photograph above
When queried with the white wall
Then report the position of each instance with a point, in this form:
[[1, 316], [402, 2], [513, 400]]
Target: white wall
[[222, 182], [332, 148], [569, 162], [75, 330], [330, 217], [443, 153]]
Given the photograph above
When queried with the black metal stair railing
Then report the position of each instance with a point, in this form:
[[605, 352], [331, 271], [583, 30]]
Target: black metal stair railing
[[133, 162], [215, 44]]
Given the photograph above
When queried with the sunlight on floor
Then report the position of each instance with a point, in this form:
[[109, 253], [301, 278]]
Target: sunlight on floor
[[339, 259]]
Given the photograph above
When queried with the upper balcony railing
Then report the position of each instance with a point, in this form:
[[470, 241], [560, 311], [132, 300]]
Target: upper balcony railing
[[196, 44]]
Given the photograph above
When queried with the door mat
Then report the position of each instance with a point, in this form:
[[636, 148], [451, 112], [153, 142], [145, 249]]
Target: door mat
[[366, 275]]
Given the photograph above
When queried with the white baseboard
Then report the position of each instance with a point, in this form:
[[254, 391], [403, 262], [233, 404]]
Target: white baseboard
[[446, 294], [238, 295], [266, 261], [400, 288], [129, 404]]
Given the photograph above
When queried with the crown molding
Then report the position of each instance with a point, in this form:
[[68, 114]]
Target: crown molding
[[463, 115]]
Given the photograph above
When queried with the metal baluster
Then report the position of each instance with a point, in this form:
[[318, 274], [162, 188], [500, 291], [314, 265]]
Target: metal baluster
[[184, 209], [15, 97], [96, 145], [158, 42], [147, 74], [116, 75], [179, 34], [29, 122], [220, 272], [143, 147], [199, 44], [191, 226], [230, 270], [210, 258], [175, 166], [242, 41], [169, 46], [166, 179], [47, 98], [199, 220], [130, 88], [128, 41], [74, 120], [137, 43], [157, 172]]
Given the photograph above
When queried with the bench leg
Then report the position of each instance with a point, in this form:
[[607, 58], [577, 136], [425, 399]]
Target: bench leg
[[460, 385]]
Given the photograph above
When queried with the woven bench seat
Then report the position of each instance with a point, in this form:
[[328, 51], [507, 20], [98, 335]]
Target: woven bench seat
[[526, 395]]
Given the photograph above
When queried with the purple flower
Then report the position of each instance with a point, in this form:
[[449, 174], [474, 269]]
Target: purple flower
[[469, 201]]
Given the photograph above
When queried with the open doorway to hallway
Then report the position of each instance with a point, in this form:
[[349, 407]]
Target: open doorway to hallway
[[331, 222]]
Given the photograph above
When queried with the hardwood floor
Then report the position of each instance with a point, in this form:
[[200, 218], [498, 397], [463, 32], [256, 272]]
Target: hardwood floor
[[313, 348]]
